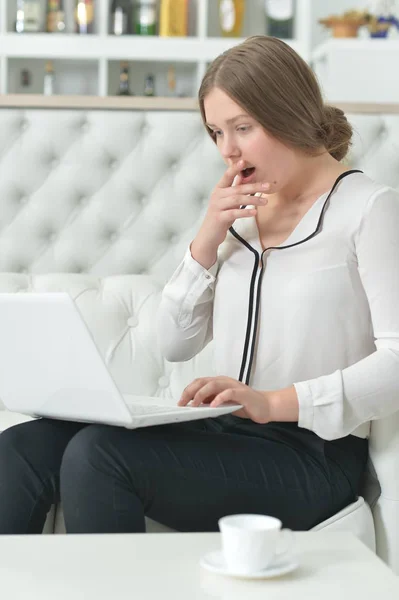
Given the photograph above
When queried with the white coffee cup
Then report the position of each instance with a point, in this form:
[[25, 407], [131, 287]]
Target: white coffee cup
[[251, 543]]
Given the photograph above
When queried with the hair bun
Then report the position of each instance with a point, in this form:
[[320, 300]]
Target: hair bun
[[337, 132]]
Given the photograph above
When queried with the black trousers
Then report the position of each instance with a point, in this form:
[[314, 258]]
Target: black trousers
[[184, 475]]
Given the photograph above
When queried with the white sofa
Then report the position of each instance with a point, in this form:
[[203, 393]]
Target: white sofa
[[102, 204]]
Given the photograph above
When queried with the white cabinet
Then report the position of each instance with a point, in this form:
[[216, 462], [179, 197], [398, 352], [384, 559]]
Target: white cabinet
[[89, 64], [358, 70]]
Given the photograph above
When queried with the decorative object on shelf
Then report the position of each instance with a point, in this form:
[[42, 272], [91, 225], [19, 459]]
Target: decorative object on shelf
[[26, 78], [381, 17], [346, 25], [49, 79], [124, 86], [145, 17], [84, 16], [173, 18], [380, 26], [172, 81], [280, 18], [149, 85], [121, 17], [28, 18], [55, 16], [231, 17]]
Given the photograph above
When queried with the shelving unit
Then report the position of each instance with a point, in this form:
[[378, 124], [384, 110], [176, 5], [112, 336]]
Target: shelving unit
[[89, 64]]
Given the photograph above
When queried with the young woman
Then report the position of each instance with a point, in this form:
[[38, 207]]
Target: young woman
[[293, 274]]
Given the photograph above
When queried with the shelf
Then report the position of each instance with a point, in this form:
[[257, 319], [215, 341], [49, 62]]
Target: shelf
[[151, 48], [52, 45], [157, 103], [355, 45], [99, 103], [101, 51], [71, 76], [184, 75]]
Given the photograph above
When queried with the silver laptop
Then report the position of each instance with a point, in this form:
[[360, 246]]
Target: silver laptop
[[51, 367]]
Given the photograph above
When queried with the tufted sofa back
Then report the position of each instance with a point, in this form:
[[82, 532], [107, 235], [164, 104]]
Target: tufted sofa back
[[101, 192], [103, 204], [115, 191]]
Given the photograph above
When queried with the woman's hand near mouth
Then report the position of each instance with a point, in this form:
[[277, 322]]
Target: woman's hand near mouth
[[223, 210]]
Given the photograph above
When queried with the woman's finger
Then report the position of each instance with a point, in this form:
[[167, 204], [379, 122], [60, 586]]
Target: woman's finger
[[230, 174], [228, 395], [190, 391], [208, 392]]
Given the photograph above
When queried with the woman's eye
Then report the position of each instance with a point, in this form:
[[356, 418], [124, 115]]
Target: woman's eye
[[243, 128], [217, 132]]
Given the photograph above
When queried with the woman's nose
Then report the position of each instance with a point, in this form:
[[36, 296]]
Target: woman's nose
[[229, 149]]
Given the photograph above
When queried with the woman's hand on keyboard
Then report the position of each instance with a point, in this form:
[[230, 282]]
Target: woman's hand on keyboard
[[217, 391]]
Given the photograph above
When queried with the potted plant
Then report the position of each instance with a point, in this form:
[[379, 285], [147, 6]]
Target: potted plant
[[346, 25]]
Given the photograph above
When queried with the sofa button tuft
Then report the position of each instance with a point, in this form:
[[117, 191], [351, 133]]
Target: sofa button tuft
[[133, 321]]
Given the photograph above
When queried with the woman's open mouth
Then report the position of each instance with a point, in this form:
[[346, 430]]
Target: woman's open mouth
[[248, 174]]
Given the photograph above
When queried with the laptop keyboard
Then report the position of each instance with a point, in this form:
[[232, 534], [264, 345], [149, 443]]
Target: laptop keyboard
[[151, 409]]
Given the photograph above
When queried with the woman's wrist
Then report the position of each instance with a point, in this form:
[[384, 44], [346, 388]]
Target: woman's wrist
[[204, 254], [283, 405]]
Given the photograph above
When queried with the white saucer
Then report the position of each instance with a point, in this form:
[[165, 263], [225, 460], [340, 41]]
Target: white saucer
[[214, 561]]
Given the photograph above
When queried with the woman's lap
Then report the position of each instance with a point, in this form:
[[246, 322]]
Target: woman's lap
[[188, 475]]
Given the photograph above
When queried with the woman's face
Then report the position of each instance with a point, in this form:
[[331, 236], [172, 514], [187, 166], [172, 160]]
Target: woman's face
[[240, 137]]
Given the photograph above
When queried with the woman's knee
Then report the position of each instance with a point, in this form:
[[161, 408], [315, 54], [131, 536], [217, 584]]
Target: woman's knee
[[87, 450], [15, 442], [41, 441], [10, 443], [101, 450]]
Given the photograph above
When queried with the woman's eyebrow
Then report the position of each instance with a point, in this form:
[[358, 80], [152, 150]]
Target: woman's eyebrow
[[229, 120]]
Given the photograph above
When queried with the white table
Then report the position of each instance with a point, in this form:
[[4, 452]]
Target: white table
[[333, 566]]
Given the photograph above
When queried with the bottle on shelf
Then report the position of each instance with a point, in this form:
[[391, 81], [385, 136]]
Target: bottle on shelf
[[231, 17], [280, 18], [173, 19], [171, 77], [124, 86], [49, 79], [121, 16], [145, 17], [25, 78], [28, 18], [149, 85], [84, 16], [55, 16]]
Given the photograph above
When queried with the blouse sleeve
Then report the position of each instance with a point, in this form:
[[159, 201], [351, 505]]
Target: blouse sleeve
[[334, 405], [184, 319]]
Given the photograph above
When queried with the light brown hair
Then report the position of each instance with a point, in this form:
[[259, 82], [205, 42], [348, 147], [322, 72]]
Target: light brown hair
[[274, 85]]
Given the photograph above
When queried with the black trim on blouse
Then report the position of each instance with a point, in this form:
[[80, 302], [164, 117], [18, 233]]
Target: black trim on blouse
[[255, 285]]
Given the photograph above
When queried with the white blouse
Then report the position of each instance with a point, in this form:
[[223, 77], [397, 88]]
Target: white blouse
[[320, 311]]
